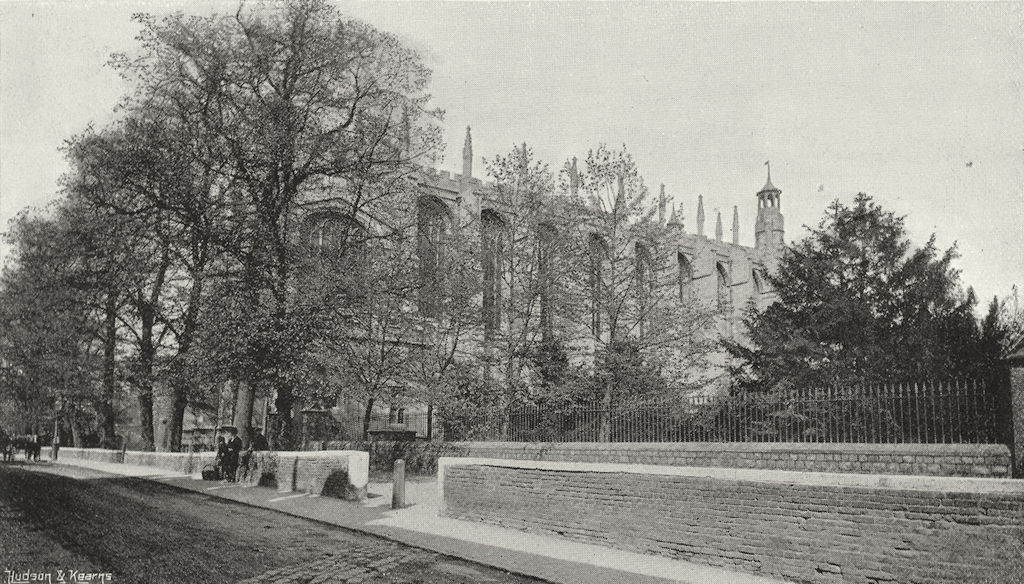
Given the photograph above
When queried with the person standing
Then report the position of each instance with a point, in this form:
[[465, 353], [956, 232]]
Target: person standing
[[222, 456], [259, 441], [234, 448], [6, 449]]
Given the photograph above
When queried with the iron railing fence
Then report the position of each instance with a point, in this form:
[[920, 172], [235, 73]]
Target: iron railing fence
[[414, 421], [956, 411]]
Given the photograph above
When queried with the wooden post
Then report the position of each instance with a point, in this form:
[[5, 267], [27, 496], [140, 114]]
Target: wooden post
[[398, 485]]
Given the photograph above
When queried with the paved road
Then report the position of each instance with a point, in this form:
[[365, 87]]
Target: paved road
[[56, 517]]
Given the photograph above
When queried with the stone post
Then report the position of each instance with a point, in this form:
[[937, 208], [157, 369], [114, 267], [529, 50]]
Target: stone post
[[398, 485], [1014, 432]]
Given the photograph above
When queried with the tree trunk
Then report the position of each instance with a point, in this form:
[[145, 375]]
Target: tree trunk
[[285, 438], [244, 399], [105, 407], [430, 421], [76, 431], [146, 418], [606, 413], [366, 418], [145, 379], [179, 396], [147, 353], [175, 426]]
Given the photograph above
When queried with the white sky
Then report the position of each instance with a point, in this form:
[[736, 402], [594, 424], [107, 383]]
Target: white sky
[[919, 105]]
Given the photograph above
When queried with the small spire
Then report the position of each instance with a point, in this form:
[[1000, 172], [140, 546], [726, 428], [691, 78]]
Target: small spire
[[661, 205], [718, 227], [676, 217], [700, 215], [574, 178], [768, 186], [735, 225], [467, 155]]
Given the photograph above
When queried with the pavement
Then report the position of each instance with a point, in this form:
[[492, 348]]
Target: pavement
[[418, 524]]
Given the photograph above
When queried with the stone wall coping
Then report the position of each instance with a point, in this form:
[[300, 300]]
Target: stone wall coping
[[295, 453], [810, 447], [358, 466], [878, 481]]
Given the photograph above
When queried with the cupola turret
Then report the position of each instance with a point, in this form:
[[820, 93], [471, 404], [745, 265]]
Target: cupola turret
[[769, 232]]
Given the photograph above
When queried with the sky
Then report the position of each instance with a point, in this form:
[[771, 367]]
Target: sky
[[919, 105]]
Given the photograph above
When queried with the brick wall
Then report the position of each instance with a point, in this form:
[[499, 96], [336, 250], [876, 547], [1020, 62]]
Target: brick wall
[[339, 473], [807, 527], [985, 460]]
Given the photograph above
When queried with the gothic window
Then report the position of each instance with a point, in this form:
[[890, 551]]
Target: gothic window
[[758, 281], [493, 239], [433, 224], [685, 277], [598, 253], [547, 240], [644, 276], [644, 281], [334, 239], [722, 288]]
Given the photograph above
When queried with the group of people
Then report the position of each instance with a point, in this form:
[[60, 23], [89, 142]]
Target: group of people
[[235, 461], [32, 444]]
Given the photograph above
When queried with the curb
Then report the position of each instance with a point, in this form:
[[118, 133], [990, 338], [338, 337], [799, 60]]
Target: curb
[[626, 576]]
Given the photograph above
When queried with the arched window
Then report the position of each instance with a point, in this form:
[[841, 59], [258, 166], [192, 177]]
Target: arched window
[[758, 281], [684, 276], [547, 242], [493, 239], [433, 224], [644, 281], [598, 253], [332, 238], [722, 289], [644, 276]]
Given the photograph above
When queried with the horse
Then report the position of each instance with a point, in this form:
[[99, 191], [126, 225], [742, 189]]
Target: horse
[[30, 444], [6, 446]]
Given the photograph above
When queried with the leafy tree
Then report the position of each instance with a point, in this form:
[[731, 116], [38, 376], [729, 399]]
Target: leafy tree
[[114, 177], [62, 302], [371, 338], [290, 102], [443, 346], [530, 242], [857, 302], [1002, 328], [638, 324]]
